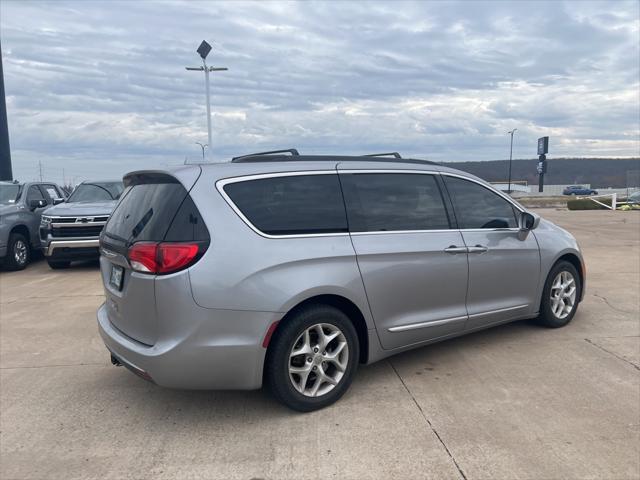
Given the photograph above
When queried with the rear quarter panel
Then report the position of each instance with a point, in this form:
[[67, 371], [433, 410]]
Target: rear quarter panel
[[242, 270]]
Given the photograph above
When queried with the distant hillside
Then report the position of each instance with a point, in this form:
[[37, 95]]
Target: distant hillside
[[599, 172]]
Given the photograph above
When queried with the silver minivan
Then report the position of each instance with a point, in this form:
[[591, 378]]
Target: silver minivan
[[291, 270]]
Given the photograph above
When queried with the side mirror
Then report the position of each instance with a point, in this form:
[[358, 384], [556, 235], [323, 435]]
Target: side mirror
[[33, 204], [528, 221], [58, 201]]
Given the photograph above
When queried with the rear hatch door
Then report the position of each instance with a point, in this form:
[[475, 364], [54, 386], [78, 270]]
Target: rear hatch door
[[147, 209]]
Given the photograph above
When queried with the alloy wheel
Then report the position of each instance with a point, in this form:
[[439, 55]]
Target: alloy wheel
[[563, 294], [20, 252], [318, 360]]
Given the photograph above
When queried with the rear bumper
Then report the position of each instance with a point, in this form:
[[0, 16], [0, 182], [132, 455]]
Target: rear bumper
[[221, 350]]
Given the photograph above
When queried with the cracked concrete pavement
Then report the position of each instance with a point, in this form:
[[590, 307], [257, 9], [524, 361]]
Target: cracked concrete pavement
[[516, 401]]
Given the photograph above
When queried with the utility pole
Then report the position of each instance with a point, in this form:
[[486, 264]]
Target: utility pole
[[510, 158], [202, 147], [203, 51], [40, 168]]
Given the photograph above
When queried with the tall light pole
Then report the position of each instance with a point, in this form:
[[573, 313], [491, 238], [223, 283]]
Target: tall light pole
[[203, 51], [6, 172], [202, 147], [510, 158]]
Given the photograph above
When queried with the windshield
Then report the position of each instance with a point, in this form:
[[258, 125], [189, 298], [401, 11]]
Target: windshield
[[97, 192], [9, 194]]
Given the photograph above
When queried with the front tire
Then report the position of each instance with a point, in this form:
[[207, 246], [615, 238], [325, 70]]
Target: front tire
[[18, 252], [560, 296], [312, 358]]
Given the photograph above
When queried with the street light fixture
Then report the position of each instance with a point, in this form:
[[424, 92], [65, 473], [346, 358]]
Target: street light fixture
[[203, 50], [202, 147], [511, 132]]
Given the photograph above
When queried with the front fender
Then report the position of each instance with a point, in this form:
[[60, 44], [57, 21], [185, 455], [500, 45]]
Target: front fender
[[555, 242]]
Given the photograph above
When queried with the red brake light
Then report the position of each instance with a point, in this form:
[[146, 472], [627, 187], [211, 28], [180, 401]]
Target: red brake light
[[175, 256], [152, 257], [142, 256]]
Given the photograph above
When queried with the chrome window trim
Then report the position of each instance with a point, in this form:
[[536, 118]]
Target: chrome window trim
[[401, 232], [220, 184], [388, 170], [461, 230], [509, 230]]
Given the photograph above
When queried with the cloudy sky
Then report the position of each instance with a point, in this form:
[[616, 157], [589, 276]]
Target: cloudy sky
[[99, 88]]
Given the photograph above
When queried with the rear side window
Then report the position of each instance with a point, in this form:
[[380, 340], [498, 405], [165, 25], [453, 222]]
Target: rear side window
[[393, 201], [187, 224], [291, 205], [478, 207], [155, 212]]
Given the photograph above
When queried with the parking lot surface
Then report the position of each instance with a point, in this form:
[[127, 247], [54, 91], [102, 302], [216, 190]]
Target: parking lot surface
[[516, 401]]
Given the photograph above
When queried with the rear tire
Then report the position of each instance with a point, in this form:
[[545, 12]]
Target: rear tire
[[18, 252], [323, 369], [560, 296], [58, 264]]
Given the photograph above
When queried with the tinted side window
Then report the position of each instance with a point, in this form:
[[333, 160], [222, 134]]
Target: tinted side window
[[393, 201], [34, 193], [479, 207], [187, 225], [301, 204]]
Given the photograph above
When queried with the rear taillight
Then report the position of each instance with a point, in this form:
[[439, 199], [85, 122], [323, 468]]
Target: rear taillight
[[143, 257], [176, 256], [164, 257]]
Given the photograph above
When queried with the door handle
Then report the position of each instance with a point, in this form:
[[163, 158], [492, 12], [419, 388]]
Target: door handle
[[478, 249], [453, 250]]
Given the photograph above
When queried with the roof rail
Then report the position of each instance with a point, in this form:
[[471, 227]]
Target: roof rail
[[292, 151], [389, 154]]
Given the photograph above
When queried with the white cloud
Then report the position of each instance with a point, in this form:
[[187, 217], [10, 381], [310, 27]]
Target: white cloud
[[99, 88]]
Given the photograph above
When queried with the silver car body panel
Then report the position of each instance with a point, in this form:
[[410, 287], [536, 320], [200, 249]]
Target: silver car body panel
[[204, 327]]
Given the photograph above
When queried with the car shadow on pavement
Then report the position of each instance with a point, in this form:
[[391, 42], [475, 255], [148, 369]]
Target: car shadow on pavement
[[144, 399]]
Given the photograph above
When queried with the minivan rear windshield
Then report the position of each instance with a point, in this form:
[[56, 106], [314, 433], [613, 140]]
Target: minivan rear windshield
[[156, 212]]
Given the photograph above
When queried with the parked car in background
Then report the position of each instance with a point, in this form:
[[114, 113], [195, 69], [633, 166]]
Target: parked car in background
[[70, 231], [579, 190], [292, 270], [21, 205]]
